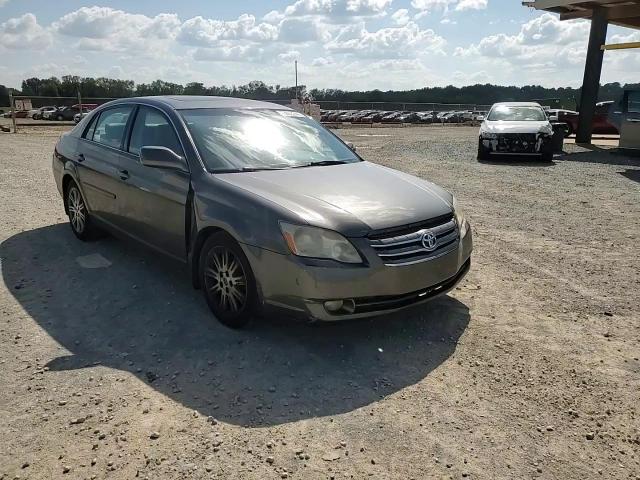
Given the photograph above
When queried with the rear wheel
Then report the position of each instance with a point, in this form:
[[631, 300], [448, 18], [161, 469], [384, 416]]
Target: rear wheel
[[227, 281], [79, 217], [59, 118]]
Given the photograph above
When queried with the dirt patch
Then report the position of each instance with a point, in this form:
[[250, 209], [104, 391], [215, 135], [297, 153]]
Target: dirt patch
[[112, 366]]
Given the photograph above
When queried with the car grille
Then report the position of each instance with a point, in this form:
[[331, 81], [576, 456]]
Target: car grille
[[517, 142], [403, 245]]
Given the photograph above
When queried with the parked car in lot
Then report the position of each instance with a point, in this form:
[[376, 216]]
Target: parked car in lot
[[478, 115], [516, 128], [409, 117], [37, 113], [61, 114], [18, 114], [600, 124], [267, 207], [554, 113], [79, 116]]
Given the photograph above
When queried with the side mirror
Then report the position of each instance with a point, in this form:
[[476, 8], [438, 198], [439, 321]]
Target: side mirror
[[351, 146], [162, 157]]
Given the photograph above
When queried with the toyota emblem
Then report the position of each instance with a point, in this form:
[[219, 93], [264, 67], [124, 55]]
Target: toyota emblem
[[429, 241]]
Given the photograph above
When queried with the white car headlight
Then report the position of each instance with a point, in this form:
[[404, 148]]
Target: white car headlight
[[460, 219], [315, 242]]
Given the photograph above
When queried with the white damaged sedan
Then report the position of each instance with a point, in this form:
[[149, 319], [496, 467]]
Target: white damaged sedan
[[516, 128]]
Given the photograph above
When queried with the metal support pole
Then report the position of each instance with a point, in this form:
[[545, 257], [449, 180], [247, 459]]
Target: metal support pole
[[592, 71], [13, 111], [296, 67], [80, 104]]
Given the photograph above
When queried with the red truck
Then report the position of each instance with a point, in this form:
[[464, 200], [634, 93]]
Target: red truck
[[601, 123]]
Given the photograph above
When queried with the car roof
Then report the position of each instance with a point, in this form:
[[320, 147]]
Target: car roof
[[188, 102], [517, 104]]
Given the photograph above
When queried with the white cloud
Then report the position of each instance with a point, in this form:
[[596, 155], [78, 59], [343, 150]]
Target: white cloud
[[331, 11], [426, 6], [107, 29], [322, 61], [401, 16], [299, 30], [3, 2], [230, 53], [338, 8], [24, 33], [392, 42], [207, 32], [289, 56], [545, 40], [472, 5]]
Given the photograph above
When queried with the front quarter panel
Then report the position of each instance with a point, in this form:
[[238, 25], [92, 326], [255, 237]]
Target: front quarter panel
[[250, 219]]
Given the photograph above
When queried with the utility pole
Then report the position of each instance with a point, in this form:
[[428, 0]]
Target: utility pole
[[296, 68], [80, 103], [13, 110]]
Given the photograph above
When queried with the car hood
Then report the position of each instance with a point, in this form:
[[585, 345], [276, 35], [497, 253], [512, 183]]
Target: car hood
[[516, 127], [352, 198]]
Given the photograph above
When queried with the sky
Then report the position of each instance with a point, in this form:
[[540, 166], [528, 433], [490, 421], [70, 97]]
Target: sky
[[345, 44]]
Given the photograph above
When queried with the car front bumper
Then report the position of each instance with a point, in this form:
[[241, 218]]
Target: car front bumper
[[287, 283], [518, 144]]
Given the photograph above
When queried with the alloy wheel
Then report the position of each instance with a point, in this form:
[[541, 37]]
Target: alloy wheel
[[225, 280], [77, 210]]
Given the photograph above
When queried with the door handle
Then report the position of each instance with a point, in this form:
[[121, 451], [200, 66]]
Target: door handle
[[124, 174], [81, 158]]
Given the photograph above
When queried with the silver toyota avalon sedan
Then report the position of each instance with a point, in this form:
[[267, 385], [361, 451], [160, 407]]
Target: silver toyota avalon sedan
[[267, 207]]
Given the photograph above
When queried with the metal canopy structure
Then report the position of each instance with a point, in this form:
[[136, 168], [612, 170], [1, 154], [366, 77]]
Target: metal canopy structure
[[625, 13]]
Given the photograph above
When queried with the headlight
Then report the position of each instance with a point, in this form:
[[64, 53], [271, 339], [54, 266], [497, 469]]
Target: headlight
[[489, 135], [460, 220], [315, 242]]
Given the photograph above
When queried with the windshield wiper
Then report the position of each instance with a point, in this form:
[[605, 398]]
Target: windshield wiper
[[322, 163], [246, 169]]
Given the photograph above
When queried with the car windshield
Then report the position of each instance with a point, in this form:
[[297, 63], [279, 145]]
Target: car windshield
[[517, 114], [247, 139]]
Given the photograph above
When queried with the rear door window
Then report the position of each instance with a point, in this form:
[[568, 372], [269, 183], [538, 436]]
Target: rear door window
[[111, 126], [88, 134]]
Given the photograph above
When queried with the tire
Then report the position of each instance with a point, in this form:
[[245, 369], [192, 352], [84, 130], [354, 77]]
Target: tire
[[59, 118], [570, 130], [79, 218], [547, 157], [483, 154], [227, 281]]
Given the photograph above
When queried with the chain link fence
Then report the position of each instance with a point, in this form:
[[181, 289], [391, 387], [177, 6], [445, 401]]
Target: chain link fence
[[23, 108]]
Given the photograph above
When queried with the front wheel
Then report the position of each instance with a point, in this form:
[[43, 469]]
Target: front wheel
[[547, 157], [570, 130], [483, 153], [227, 280]]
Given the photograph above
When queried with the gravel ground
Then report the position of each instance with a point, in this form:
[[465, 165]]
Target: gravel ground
[[112, 366]]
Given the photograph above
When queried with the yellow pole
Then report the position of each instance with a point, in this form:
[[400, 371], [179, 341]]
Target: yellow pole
[[620, 46]]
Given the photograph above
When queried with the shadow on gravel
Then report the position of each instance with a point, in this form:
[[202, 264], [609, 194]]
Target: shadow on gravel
[[631, 174], [610, 156], [141, 315], [517, 161]]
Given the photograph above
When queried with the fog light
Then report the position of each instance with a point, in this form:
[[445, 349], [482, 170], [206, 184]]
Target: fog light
[[349, 306], [333, 306]]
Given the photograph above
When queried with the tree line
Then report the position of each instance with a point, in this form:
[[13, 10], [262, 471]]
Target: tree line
[[88, 87]]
